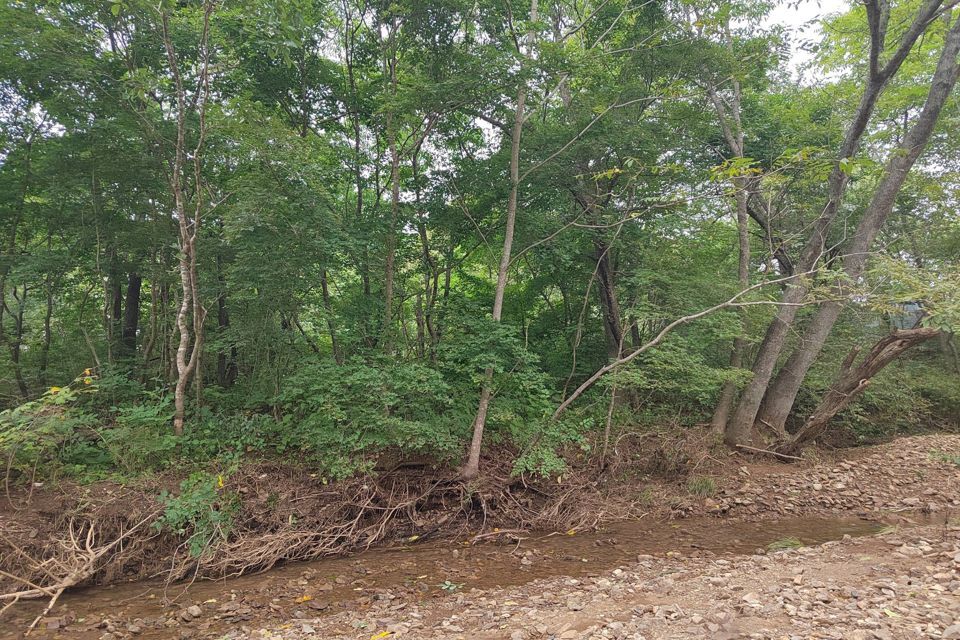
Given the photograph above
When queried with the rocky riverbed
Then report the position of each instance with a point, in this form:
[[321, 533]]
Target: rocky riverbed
[[893, 586], [748, 561]]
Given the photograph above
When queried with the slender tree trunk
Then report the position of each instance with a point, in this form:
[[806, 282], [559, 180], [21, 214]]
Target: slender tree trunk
[[387, 328], [226, 361], [47, 334], [190, 343], [328, 312], [153, 325], [16, 344], [731, 125], [722, 412], [471, 468], [610, 305], [783, 391]]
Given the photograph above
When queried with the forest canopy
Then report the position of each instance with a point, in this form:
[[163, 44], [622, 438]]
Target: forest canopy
[[340, 230]]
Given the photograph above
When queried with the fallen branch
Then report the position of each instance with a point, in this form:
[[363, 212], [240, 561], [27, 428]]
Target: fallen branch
[[775, 454], [732, 302]]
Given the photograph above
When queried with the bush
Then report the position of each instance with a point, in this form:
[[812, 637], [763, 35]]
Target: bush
[[338, 415], [204, 509]]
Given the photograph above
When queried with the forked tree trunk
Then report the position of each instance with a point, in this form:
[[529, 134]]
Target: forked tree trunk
[[740, 428], [852, 381], [783, 391], [471, 467], [190, 342], [728, 115]]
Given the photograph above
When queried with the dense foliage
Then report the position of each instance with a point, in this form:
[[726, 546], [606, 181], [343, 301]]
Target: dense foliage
[[240, 228]]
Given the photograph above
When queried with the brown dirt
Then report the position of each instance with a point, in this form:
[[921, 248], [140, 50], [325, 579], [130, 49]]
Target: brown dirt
[[899, 480]]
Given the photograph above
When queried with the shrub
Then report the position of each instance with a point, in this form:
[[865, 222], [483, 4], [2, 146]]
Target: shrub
[[204, 509]]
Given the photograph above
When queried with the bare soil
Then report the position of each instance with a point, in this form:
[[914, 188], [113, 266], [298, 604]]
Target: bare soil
[[681, 565]]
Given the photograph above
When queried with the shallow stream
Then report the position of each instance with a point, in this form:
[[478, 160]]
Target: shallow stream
[[426, 570]]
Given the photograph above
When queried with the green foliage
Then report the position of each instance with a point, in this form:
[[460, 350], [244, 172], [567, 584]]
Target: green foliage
[[702, 486], [626, 219], [785, 543], [45, 437], [204, 510], [338, 414]]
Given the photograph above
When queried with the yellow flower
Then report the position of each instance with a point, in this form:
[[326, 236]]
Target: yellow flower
[[88, 381], [54, 389], [86, 372]]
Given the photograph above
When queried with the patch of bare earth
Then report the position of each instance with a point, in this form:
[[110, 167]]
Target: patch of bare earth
[[901, 583]]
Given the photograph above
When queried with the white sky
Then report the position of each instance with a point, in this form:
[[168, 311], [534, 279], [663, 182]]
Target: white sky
[[801, 20]]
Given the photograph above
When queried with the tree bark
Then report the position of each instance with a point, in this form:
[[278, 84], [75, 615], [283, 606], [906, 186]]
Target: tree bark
[[725, 404], [390, 61], [782, 393], [190, 343], [731, 125], [471, 468], [328, 312], [131, 315], [740, 428], [852, 381]]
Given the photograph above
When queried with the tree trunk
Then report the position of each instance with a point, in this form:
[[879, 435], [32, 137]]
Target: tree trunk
[[190, 342], [226, 362], [47, 336], [853, 380], [328, 312], [17, 342], [471, 468], [740, 428], [783, 392], [131, 316], [610, 305], [390, 62], [731, 125]]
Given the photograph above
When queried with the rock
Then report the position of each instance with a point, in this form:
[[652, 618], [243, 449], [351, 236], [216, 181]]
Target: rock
[[951, 633], [195, 611]]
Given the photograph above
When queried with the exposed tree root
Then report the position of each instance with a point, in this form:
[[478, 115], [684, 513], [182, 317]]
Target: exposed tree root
[[75, 558], [284, 514]]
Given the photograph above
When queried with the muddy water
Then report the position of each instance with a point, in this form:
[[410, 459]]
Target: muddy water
[[310, 589]]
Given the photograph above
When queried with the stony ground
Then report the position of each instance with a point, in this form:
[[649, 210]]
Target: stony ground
[[903, 582], [894, 586]]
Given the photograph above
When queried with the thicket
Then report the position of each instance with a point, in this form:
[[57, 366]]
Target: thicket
[[326, 230]]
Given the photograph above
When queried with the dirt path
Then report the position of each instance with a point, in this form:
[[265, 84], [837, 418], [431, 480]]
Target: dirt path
[[696, 577]]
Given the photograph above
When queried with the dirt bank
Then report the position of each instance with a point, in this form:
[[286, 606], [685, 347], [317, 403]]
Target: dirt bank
[[903, 482]]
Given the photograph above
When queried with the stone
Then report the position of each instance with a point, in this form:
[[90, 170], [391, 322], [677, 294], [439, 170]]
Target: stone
[[951, 633]]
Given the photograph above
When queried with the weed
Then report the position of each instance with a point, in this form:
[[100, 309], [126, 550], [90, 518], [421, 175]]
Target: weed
[[941, 456], [784, 543], [703, 486], [203, 509]]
